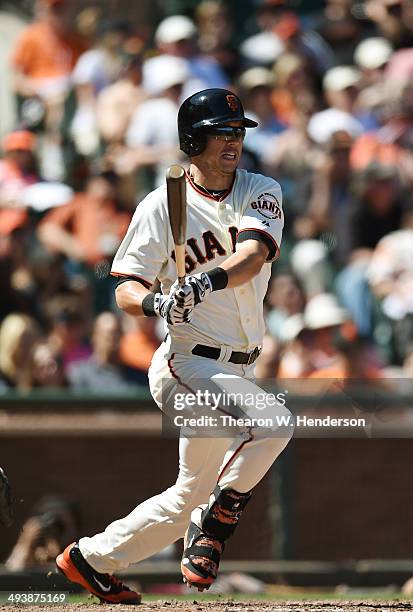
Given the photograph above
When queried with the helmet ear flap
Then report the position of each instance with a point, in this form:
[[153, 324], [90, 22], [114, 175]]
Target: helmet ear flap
[[193, 144]]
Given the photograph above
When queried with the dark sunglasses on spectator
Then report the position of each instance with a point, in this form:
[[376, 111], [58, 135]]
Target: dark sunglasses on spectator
[[227, 133]]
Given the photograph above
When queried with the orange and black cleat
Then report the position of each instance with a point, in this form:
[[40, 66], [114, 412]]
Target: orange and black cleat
[[104, 586], [201, 557]]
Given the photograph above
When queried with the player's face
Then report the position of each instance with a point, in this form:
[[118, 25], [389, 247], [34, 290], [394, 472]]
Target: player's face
[[224, 147]]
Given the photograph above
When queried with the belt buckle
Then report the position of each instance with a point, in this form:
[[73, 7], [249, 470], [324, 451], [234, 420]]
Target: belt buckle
[[253, 356]]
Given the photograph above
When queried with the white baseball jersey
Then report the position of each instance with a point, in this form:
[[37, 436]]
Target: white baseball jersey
[[251, 208]]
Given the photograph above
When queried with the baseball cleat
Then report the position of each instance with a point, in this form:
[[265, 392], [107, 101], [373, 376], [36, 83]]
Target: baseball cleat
[[104, 586], [201, 557], [6, 508], [191, 585]]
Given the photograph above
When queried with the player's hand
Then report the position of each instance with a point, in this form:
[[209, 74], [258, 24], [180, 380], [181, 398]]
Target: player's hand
[[174, 313], [196, 288]]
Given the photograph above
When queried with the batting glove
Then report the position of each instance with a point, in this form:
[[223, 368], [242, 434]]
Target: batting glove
[[195, 290], [174, 313]]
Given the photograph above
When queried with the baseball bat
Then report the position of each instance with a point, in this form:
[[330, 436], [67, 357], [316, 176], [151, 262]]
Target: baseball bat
[[176, 192]]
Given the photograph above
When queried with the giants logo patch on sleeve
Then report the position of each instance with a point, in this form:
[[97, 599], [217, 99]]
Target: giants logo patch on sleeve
[[267, 206]]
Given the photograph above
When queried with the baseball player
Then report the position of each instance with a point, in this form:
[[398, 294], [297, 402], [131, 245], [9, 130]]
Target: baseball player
[[215, 330]]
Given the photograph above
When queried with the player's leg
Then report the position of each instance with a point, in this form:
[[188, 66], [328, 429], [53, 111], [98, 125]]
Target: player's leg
[[162, 519], [244, 465], [152, 525]]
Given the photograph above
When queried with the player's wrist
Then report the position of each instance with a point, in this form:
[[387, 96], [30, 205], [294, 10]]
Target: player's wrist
[[218, 278], [150, 306]]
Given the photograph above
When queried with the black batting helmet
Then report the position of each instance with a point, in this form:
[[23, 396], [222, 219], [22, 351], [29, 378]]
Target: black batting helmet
[[207, 108]]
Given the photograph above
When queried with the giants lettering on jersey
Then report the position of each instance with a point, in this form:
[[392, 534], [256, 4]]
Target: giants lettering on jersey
[[212, 248], [267, 206]]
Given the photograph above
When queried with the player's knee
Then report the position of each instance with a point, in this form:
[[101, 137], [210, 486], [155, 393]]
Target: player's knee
[[280, 423], [185, 498]]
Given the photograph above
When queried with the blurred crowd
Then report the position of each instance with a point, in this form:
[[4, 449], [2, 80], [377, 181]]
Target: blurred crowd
[[97, 103]]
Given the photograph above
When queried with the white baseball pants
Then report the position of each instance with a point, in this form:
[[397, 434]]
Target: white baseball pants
[[239, 462]]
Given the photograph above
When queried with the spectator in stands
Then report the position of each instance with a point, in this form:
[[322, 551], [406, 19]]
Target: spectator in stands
[[46, 53], [42, 63], [294, 81], [331, 197], [372, 56], [323, 316], [379, 208], [340, 88], [95, 69], [117, 103], [216, 31], [264, 47], [68, 320], [390, 143], [46, 366], [88, 229], [268, 362], [100, 66], [353, 359], [18, 170], [257, 85], [284, 298], [16, 281], [295, 356], [281, 31], [309, 261], [175, 36], [340, 28], [290, 158], [152, 137], [103, 371], [53, 523], [139, 342], [87, 232], [308, 340], [390, 275], [18, 334], [393, 19]]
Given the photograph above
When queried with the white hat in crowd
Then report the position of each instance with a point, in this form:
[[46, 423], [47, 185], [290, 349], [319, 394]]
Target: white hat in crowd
[[341, 77], [324, 124], [262, 48], [162, 72], [292, 327], [256, 77], [373, 52], [172, 29], [305, 255], [323, 310]]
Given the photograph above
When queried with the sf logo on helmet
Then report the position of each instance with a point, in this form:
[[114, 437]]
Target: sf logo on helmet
[[232, 102]]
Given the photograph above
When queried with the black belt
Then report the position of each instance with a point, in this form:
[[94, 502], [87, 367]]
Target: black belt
[[212, 352]]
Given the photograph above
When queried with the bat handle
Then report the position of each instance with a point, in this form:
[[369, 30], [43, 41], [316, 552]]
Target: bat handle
[[180, 263]]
